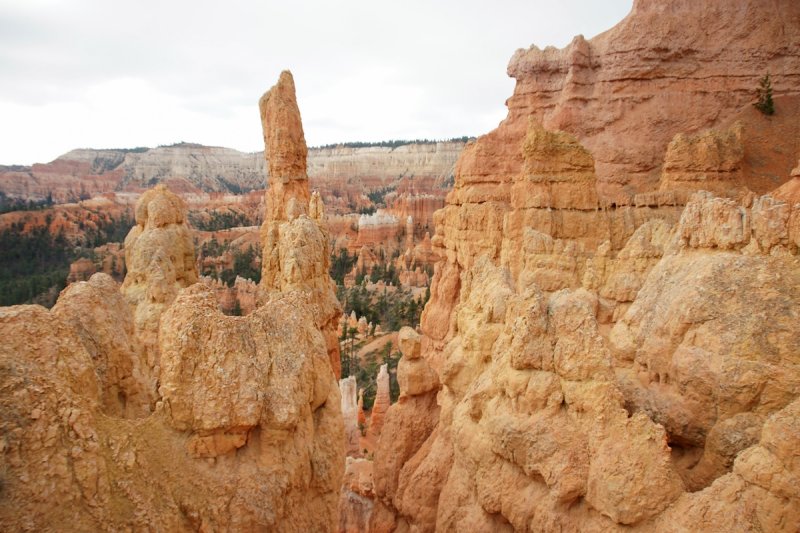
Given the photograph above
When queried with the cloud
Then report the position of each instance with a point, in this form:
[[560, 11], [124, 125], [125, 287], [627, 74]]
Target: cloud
[[101, 74]]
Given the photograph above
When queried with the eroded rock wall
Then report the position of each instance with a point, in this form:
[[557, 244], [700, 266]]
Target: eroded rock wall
[[144, 407], [615, 349]]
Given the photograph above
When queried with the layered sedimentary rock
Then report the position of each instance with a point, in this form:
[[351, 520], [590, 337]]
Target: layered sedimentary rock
[[710, 161], [411, 168], [343, 175], [611, 357], [296, 252], [183, 167], [686, 68], [419, 206], [377, 230]]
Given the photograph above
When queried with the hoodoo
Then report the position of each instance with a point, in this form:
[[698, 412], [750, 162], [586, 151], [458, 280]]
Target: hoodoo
[[296, 248], [244, 430]]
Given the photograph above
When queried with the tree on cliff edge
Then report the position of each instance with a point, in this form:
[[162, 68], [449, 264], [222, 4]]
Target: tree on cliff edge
[[764, 91]]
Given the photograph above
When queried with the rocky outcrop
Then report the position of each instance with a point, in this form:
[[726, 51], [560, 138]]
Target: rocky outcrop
[[677, 72], [350, 415], [789, 192], [419, 207], [414, 375], [296, 252], [381, 404], [711, 161], [219, 429], [159, 255], [408, 424], [356, 504], [677, 332], [376, 230], [611, 356], [243, 432], [413, 169], [97, 312]]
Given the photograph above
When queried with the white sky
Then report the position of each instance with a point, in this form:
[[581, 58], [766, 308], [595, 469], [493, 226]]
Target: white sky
[[114, 73]]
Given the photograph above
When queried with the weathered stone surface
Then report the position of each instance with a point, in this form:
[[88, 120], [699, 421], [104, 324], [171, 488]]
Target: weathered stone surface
[[414, 375], [296, 247], [608, 352], [350, 415], [557, 172], [244, 432], [661, 71], [97, 312], [356, 501], [159, 255], [711, 161], [66, 452], [285, 151], [381, 404]]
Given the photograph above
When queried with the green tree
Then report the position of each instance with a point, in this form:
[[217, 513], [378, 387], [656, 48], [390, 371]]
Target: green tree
[[764, 92]]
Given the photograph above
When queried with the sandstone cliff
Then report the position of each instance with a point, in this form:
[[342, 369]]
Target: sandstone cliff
[[616, 351], [343, 175], [685, 67]]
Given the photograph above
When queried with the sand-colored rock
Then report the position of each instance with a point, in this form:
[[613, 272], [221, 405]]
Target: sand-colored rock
[[609, 341], [414, 374], [557, 172], [296, 247], [350, 415], [97, 312], [285, 151], [381, 404], [159, 255], [356, 501], [711, 161], [69, 458]]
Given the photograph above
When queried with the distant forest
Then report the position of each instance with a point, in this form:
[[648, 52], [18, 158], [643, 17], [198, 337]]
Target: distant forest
[[35, 263], [392, 144]]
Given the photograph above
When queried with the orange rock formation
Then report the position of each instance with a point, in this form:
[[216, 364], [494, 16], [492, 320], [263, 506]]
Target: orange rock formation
[[381, 404], [296, 252], [244, 431], [159, 255], [610, 356]]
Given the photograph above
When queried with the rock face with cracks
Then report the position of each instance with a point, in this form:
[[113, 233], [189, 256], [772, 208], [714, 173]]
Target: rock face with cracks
[[159, 256], [243, 432], [616, 351], [296, 247]]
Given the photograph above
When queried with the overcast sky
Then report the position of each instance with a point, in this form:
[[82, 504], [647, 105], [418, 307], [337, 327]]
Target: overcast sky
[[115, 73]]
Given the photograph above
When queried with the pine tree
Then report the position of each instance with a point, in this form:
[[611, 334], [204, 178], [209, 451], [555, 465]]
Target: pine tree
[[764, 91]]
